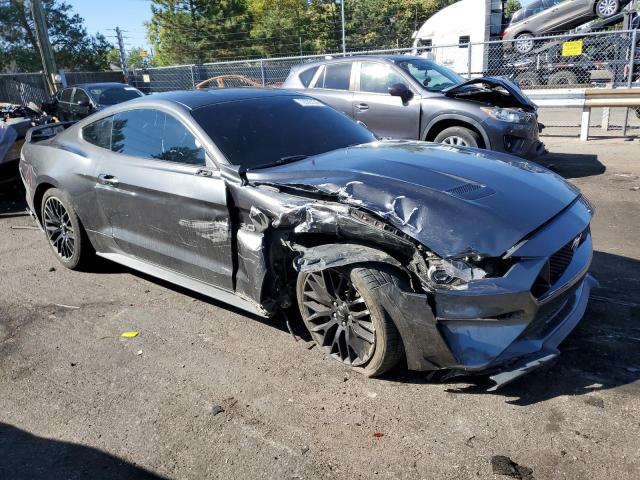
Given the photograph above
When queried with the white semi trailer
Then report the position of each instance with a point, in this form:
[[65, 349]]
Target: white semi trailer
[[451, 29]]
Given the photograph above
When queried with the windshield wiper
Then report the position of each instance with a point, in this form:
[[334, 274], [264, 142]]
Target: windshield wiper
[[280, 161]]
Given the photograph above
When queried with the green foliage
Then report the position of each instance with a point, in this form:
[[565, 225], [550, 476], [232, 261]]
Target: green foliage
[[134, 60], [511, 7], [74, 49], [194, 31], [198, 30]]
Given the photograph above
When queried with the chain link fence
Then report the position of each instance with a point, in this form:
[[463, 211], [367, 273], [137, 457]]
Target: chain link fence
[[22, 88], [563, 61]]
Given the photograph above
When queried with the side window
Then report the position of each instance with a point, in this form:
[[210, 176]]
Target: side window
[[307, 75], [337, 76], [178, 145], [150, 133], [99, 133], [80, 96], [66, 95], [377, 78]]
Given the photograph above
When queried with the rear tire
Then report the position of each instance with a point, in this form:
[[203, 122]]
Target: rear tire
[[524, 42], [65, 234], [458, 137], [339, 314]]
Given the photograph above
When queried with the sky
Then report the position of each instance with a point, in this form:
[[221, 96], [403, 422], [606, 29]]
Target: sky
[[130, 15]]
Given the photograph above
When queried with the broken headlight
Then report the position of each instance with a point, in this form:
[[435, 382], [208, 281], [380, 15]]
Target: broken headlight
[[510, 115], [455, 273]]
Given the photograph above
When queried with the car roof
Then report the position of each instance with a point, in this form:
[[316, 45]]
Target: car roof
[[391, 58], [193, 99], [100, 85]]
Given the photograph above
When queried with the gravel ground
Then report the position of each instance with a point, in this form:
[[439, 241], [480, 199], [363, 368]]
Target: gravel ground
[[205, 391]]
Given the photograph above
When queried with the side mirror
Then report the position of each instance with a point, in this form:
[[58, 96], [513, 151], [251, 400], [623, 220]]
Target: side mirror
[[402, 91], [84, 103]]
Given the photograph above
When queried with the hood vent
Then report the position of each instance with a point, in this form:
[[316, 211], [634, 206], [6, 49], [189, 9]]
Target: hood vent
[[470, 191]]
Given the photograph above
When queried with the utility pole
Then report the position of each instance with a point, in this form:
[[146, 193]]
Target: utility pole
[[123, 53], [46, 51], [344, 43]]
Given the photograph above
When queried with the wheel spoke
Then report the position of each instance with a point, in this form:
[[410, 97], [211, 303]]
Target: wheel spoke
[[363, 334]]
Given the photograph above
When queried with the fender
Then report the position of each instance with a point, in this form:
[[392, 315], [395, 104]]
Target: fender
[[339, 254], [463, 119]]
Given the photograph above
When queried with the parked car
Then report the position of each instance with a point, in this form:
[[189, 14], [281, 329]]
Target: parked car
[[448, 257], [75, 103], [409, 97], [545, 17]]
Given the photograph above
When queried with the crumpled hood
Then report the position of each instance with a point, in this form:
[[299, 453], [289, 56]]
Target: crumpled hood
[[452, 200], [520, 99]]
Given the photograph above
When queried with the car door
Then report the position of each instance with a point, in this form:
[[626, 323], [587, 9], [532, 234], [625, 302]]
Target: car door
[[559, 14], [80, 105], [63, 111], [383, 114], [164, 199], [333, 85]]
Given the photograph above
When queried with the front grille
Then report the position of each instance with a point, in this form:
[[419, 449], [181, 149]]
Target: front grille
[[551, 315], [560, 260], [556, 265]]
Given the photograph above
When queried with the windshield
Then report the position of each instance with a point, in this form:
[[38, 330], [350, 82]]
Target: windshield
[[111, 95], [259, 132], [430, 75]]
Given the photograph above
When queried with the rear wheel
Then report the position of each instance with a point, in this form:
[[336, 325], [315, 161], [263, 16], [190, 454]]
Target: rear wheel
[[524, 42], [527, 79], [563, 77], [344, 317], [607, 8], [459, 137], [65, 234]]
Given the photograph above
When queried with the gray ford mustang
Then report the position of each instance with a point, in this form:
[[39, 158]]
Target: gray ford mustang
[[446, 257]]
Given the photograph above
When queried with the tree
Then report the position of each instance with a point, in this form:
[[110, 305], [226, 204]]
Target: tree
[[134, 60], [73, 48], [194, 31], [279, 27], [512, 7]]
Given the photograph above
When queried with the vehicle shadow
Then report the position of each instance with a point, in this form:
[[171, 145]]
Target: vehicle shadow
[[12, 197], [28, 457], [603, 352], [572, 165]]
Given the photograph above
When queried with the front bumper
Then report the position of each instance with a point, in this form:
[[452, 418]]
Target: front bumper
[[520, 139], [505, 325]]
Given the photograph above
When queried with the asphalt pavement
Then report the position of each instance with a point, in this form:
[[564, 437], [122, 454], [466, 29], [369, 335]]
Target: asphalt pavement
[[206, 391]]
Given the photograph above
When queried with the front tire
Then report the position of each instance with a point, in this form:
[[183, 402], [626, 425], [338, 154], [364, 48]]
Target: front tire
[[563, 78], [607, 8], [458, 137], [344, 317], [65, 233]]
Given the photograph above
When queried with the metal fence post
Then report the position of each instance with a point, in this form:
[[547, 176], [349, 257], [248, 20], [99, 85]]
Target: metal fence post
[[634, 39], [469, 61], [262, 72], [193, 78]]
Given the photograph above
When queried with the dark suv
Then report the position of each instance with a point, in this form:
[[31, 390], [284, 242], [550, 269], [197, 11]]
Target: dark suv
[[75, 103], [407, 97]]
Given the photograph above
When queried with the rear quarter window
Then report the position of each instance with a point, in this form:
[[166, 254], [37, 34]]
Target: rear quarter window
[[99, 133], [307, 75]]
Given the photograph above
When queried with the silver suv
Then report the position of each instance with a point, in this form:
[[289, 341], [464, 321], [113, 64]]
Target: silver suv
[[407, 97], [549, 16]]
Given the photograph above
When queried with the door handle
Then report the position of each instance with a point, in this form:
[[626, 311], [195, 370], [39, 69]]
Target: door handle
[[204, 172], [362, 107], [106, 179]]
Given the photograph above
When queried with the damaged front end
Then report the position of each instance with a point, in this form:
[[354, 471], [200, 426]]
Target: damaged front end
[[493, 308]]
